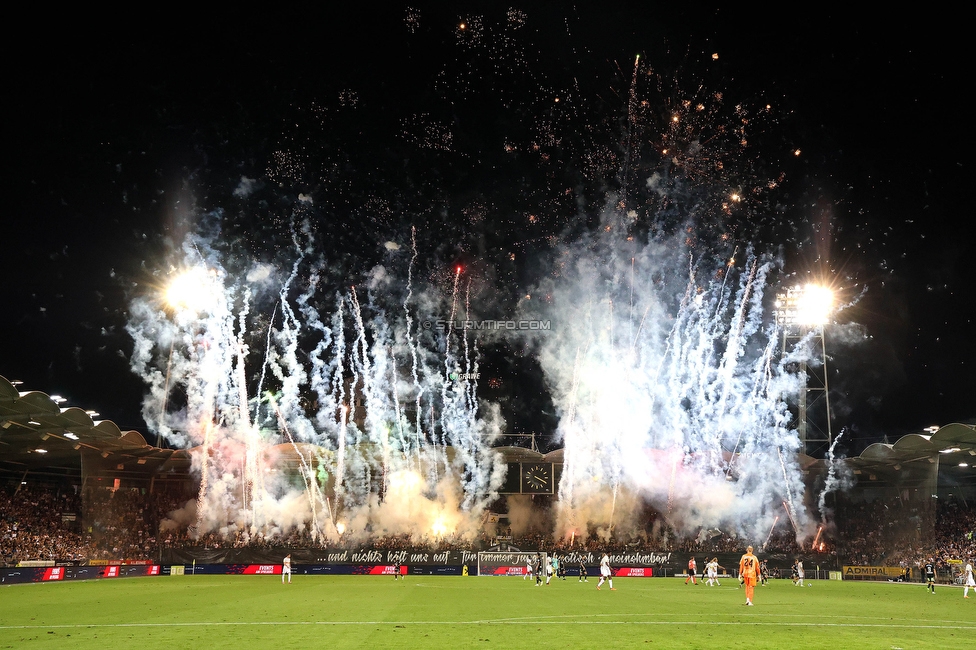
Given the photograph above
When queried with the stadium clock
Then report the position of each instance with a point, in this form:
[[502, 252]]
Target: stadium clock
[[536, 478]]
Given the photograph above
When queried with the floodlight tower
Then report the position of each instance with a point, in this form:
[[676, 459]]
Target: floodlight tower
[[191, 291], [802, 312]]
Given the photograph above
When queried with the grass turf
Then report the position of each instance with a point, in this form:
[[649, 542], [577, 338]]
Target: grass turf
[[208, 612]]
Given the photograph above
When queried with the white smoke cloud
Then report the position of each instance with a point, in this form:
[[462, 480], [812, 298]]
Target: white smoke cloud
[[669, 386], [336, 424], [245, 187]]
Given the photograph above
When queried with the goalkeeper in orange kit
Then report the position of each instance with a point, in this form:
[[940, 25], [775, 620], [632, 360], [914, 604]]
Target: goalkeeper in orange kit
[[749, 573]]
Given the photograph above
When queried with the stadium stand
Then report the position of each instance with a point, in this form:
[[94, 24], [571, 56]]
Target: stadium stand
[[73, 489]]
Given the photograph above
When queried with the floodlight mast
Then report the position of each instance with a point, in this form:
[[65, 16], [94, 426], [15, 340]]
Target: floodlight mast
[[802, 312], [191, 291]]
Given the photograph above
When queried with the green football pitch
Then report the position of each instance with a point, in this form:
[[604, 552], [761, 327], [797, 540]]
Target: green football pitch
[[205, 612]]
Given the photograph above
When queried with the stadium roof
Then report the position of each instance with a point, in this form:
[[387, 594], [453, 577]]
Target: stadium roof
[[36, 433], [953, 446], [952, 438]]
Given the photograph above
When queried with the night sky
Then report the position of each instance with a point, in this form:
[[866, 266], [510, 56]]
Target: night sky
[[495, 140]]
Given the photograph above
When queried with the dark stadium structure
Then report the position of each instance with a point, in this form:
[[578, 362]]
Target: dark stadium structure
[[42, 443], [40, 438]]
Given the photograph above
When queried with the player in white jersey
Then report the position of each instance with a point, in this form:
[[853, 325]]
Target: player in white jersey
[[528, 568], [968, 579], [711, 570], [550, 569], [286, 568], [605, 575], [799, 573]]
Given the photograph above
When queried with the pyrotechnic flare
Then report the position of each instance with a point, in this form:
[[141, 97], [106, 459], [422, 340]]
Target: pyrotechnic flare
[[678, 400], [701, 377], [366, 446]]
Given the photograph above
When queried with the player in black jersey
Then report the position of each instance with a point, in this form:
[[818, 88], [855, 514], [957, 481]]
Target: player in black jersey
[[929, 571]]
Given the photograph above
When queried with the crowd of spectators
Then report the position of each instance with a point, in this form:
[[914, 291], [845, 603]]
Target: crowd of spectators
[[884, 532], [955, 533], [66, 523], [124, 523], [40, 524]]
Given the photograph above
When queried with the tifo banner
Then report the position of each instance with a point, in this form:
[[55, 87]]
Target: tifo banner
[[507, 563], [370, 556], [451, 562], [411, 557], [872, 572]]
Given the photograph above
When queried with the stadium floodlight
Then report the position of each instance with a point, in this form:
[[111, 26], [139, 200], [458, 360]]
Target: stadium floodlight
[[192, 290], [802, 311], [809, 305]]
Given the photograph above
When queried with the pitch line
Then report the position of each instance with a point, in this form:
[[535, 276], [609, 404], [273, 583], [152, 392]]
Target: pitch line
[[758, 614], [760, 622]]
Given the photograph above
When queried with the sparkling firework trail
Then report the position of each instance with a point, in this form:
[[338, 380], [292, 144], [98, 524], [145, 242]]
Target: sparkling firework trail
[[676, 401], [837, 476], [770, 531]]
